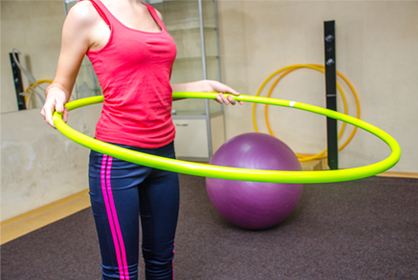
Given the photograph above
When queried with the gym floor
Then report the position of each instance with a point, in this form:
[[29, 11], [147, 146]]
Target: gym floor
[[363, 229]]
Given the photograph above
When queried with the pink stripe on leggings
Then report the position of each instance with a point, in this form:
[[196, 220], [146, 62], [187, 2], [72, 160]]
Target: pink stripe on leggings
[[113, 218]]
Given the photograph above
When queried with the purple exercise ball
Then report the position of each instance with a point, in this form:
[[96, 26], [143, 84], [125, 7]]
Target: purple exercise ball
[[254, 205]]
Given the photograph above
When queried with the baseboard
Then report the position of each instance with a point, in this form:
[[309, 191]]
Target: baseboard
[[42, 216], [412, 175]]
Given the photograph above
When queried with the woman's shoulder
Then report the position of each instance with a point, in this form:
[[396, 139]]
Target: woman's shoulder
[[83, 14]]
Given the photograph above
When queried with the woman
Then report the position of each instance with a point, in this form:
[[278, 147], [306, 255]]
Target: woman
[[132, 54]]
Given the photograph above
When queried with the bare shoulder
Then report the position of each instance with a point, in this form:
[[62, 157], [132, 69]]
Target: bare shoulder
[[82, 15]]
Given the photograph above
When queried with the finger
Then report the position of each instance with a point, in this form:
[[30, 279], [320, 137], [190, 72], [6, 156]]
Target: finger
[[48, 109], [65, 115], [59, 107], [222, 88], [219, 99], [50, 122], [230, 90], [234, 92], [224, 99], [48, 115], [231, 100]]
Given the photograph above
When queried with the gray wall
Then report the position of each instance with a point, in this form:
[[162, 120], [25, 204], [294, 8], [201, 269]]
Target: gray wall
[[377, 50]]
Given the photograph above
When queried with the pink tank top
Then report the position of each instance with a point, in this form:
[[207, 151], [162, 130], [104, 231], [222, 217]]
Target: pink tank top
[[134, 70]]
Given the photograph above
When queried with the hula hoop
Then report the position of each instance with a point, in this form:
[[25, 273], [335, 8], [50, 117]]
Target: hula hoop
[[232, 173]]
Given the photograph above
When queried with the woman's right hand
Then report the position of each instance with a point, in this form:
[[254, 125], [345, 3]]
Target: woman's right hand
[[55, 101]]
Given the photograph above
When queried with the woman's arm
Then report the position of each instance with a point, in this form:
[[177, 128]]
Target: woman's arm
[[209, 86], [75, 42]]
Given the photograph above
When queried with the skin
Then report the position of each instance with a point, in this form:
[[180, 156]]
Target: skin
[[85, 30]]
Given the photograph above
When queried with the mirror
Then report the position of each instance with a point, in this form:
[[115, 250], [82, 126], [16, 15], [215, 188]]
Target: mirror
[[34, 95], [31, 40]]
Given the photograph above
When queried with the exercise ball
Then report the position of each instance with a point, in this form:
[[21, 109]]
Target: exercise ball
[[254, 205]]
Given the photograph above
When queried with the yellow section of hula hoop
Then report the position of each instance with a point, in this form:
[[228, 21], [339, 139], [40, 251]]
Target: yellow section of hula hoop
[[29, 90], [320, 68], [207, 170]]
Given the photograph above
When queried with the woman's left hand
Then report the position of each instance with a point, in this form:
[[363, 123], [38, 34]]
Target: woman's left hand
[[210, 86], [215, 86]]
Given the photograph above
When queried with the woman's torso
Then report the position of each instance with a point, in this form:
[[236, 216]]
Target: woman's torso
[[133, 57]]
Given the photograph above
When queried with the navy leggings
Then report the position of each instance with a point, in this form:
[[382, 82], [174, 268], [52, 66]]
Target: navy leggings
[[121, 192]]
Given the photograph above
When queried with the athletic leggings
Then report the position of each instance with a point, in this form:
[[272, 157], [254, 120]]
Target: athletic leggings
[[121, 192]]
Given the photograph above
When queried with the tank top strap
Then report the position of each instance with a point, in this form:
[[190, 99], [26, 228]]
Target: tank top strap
[[155, 16]]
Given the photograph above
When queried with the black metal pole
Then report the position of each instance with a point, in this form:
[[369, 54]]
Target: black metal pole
[[17, 80], [331, 92]]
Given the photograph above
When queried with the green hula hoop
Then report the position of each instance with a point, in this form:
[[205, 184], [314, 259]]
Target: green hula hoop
[[241, 174]]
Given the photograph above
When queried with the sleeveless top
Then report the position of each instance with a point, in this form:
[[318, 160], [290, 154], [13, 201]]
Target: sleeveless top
[[134, 70]]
